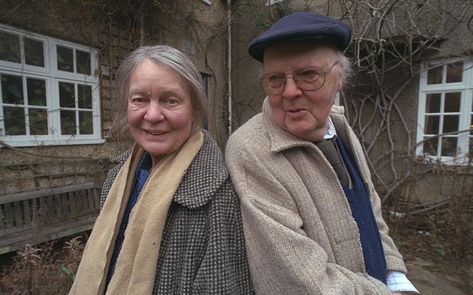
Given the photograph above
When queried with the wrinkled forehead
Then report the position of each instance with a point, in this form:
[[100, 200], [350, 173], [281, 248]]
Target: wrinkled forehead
[[299, 54]]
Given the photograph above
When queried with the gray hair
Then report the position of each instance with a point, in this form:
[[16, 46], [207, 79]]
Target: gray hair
[[171, 57], [346, 71]]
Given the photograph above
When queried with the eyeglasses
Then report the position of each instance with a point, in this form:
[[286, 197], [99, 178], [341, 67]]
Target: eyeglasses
[[308, 79]]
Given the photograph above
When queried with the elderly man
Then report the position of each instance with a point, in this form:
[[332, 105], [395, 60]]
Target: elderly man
[[312, 218]]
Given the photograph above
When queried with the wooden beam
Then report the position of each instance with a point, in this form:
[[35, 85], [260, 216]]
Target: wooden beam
[[46, 192]]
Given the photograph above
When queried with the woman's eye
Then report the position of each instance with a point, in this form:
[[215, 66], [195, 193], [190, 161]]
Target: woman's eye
[[172, 101], [137, 100]]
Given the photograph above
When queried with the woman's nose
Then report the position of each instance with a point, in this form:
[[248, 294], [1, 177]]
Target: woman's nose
[[154, 113]]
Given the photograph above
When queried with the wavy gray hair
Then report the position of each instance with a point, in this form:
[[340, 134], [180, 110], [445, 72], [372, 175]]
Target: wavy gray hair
[[346, 72], [171, 57]]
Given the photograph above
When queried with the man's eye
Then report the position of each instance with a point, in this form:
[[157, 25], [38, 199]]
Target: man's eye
[[276, 78], [309, 74]]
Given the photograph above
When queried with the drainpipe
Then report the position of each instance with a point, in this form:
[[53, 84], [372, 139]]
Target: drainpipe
[[142, 30], [142, 22], [229, 64]]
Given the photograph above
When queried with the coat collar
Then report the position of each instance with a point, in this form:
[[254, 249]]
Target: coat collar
[[282, 140], [205, 176]]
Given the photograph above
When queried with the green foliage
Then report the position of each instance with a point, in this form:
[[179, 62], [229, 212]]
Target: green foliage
[[69, 272]]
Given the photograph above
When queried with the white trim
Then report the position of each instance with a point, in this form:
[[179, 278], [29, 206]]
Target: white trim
[[272, 2], [465, 88], [52, 75]]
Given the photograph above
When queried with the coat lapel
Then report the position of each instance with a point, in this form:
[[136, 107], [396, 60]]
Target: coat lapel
[[204, 176]]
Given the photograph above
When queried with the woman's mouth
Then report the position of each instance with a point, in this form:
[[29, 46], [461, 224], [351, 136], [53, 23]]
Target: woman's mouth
[[155, 132]]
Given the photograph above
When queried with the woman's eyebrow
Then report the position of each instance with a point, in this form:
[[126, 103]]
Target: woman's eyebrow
[[137, 90]]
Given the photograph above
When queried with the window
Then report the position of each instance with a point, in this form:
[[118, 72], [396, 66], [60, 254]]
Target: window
[[205, 80], [445, 111], [272, 2], [49, 91]]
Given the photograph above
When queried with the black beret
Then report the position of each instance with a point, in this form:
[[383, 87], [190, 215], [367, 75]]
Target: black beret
[[302, 26]]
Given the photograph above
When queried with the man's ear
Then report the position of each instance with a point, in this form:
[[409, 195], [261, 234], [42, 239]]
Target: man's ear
[[338, 83]]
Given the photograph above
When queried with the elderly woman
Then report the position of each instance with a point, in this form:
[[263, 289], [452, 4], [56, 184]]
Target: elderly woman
[[170, 222]]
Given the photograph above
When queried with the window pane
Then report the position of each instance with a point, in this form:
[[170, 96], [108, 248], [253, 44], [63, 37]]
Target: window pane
[[12, 89], [68, 122], [434, 75], [205, 79], [449, 146], [85, 96], [36, 92], [85, 123], [452, 102], [430, 146], [450, 124], [83, 62], [431, 125], [34, 52], [455, 72], [14, 121], [65, 60], [9, 47], [432, 103], [38, 122], [66, 95]]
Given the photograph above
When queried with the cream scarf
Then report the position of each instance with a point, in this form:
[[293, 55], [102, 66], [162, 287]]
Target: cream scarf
[[135, 269]]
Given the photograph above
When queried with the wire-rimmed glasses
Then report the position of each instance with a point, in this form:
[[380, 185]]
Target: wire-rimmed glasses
[[308, 79]]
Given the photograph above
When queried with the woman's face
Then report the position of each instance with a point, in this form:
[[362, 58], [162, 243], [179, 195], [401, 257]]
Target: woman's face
[[159, 112]]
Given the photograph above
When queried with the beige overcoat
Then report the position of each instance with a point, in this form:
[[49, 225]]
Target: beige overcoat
[[300, 234]]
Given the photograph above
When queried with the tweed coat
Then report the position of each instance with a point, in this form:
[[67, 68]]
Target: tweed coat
[[202, 249], [300, 235]]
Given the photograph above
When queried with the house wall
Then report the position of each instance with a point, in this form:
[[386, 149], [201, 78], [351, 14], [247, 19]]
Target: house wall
[[114, 28]]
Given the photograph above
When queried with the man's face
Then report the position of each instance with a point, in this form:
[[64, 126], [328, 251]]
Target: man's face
[[303, 113]]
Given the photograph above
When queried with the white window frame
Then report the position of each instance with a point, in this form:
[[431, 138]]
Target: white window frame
[[465, 87], [52, 76], [272, 2]]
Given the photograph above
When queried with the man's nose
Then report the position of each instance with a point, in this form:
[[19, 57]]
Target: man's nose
[[291, 89]]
